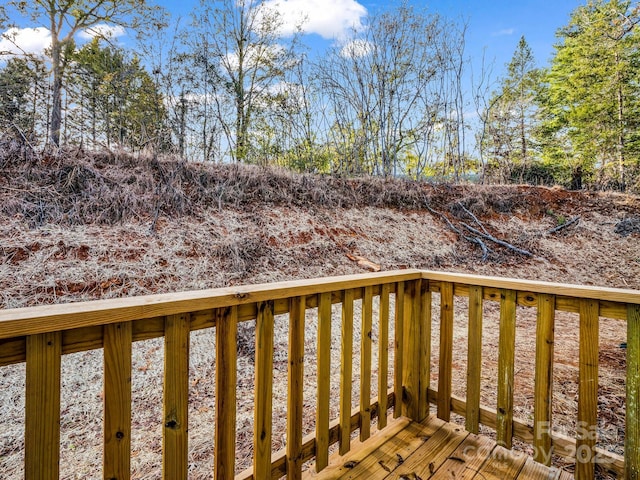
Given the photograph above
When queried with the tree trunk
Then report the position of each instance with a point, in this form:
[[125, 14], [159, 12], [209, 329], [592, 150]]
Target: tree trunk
[[56, 107]]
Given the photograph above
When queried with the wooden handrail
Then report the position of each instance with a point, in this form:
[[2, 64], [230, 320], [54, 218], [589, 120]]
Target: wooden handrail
[[41, 335]]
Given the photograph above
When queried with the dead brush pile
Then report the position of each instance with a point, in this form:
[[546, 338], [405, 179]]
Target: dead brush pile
[[107, 188], [76, 226]]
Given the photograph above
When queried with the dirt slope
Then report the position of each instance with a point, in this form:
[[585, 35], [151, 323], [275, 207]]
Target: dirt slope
[[86, 227]]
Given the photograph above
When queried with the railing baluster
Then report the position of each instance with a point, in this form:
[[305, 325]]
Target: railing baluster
[[176, 397], [446, 351], [474, 359], [398, 354], [296, 386], [117, 400], [263, 392], [506, 361], [324, 380], [346, 374], [412, 345], [543, 379], [587, 390], [632, 433], [425, 348], [226, 376], [365, 364], [42, 406], [383, 355]]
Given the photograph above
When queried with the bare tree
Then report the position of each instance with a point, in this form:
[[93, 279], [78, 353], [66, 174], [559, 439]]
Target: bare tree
[[247, 57], [65, 19], [386, 86]]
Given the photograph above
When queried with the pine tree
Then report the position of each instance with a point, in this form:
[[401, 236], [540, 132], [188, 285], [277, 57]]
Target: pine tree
[[511, 119], [591, 105]]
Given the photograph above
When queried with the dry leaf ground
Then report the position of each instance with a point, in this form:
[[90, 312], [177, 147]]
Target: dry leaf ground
[[88, 227]]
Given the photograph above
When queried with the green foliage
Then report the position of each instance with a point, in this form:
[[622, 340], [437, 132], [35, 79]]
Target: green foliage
[[22, 93], [508, 140], [591, 97], [121, 103]]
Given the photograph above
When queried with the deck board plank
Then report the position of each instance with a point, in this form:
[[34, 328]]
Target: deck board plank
[[433, 453], [502, 464], [436, 450], [466, 460]]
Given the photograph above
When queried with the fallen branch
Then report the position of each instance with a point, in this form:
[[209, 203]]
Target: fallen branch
[[475, 219], [498, 241], [563, 226], [485, 250]]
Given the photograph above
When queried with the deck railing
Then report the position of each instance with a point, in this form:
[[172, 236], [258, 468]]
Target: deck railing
[[403, 315]]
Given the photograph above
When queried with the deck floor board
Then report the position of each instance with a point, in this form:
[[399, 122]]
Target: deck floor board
[[433, 450]]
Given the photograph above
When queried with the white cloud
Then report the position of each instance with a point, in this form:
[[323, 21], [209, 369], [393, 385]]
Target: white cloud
[[22, 41], [255, 56], [328, 18], [356, 49], [503, 32], [102, 30]]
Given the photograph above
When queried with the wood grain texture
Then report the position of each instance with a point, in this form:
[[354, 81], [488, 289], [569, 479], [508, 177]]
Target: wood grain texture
[[295, 379], [559, 289], [474, 359], [562, 445], [263, 393], [399, 351], [226, 378], [383, 353], [365, 364], [425, 348], [587, 390], [412, 349], [42, 407], [279, 459], [446, 351], [117, 401], [324, 381], [175, 447], [346, 371], [506, 362], [41, 319], [632, 433], [543, 389]]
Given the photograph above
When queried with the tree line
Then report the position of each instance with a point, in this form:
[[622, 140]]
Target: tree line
[[394, 98]]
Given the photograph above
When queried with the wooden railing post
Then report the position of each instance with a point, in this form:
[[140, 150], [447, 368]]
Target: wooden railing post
[[446, 351], [263, 392], [543, 379], [399, 352], [413, 348], [175, 449], [365, 364], [295, 380], [42, 407], [587, 390], [506, 361], [324, 380], [474, 359], [346, 374], [425, 348], [226, 376], [383, 355], [117, 401], [632, 433]]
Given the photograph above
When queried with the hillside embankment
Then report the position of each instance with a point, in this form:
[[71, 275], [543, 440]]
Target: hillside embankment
[[79, 227]]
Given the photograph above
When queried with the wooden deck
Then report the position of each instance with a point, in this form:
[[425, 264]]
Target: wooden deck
[[434, 449]]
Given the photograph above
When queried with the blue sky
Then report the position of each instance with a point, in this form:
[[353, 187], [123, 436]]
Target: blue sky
[[494, 27]]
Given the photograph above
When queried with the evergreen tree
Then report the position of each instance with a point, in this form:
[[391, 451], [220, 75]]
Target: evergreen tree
[[511, 120], [591, 103], [22, 96]]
